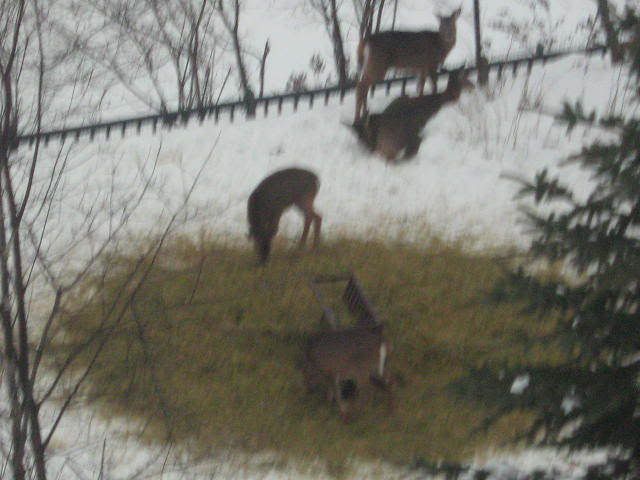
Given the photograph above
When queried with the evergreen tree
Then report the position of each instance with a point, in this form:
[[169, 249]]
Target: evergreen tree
[[592, 399]]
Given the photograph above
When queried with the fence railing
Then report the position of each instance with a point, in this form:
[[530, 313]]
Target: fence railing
[[276, 101]]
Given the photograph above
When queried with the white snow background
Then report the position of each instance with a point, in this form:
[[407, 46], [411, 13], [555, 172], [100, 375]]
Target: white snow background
[[455, 187]]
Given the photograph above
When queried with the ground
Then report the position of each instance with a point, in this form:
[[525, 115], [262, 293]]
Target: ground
[[457, 188]]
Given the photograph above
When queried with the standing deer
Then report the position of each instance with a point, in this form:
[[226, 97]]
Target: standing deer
[[398, 127], [269, 200], [346, 362], [422, 52]]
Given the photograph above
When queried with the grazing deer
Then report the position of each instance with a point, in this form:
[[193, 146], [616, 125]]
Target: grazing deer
[[345, 362], [277, 192], [398, 127], [422, 52]]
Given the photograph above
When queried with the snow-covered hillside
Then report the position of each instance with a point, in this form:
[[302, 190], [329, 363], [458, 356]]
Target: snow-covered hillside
[[455, 187]]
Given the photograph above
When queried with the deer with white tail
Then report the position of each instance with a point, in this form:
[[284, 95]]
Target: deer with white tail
[[346, 363]]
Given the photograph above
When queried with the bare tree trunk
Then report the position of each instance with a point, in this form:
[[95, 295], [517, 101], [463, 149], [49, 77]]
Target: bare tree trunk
[[10, 355], [17, 359], [232, 27], [193, 52], [481, 62], [26, 387], [366, 20], [338, 46], [610, 32], [263, 62], [395, 12], [379, 20]]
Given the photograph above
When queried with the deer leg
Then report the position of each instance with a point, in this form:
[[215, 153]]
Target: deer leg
[[384, 383], [317, 225], [362, 91], [331, 395], [312, 379], [422, 78], [433, 75], [310, 216], [305, 230], [342, 404]]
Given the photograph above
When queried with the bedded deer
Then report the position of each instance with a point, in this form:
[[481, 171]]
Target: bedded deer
[[422, 52], [398, 127], [346, 363], [279, 191]]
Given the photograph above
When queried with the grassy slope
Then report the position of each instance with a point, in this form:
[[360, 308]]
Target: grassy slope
[[219, 365]]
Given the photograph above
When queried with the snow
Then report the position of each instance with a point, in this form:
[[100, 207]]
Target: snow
[[457, 187], [562, 465], [570, 403], [520, 384], [459, 193]]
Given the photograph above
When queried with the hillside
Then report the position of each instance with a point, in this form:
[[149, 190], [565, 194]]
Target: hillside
[[456, 185]]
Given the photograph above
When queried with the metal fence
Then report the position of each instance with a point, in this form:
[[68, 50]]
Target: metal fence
[[277, 101]]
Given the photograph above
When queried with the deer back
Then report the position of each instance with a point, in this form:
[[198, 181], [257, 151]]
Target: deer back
[[415, 111], [411, 50], [274, 194], [352, 353]]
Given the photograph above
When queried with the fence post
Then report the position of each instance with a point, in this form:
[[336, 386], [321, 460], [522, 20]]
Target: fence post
[[481, 62]]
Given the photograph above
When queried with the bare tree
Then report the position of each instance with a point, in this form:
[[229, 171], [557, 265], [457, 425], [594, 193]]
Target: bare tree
[[161, 38], [263, 63], [38, 70], [329, 11], [610, 32], [364, 11], [395, 12], [379, 20], [25, 423], [231, 24]]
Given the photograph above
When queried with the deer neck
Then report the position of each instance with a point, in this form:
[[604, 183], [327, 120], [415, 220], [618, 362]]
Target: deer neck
[[448, 39]]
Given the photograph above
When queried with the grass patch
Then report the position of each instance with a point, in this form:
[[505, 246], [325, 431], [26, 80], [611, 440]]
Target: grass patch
[[208, 350]]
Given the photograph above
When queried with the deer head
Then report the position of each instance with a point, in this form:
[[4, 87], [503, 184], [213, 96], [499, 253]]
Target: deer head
[[447, 27]]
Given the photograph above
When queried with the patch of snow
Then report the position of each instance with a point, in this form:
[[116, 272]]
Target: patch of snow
[[570, 403], [560, 464], [520, 384]]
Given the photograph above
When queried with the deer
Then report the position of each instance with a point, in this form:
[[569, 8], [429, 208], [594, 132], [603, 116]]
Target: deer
[[398, 127], [422, 52], [346, 362], [268, 201]]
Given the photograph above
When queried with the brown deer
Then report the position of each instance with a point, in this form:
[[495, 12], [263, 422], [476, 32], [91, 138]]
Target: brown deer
[[269, 200], [398, 127], [346, 362], [422, 52]]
